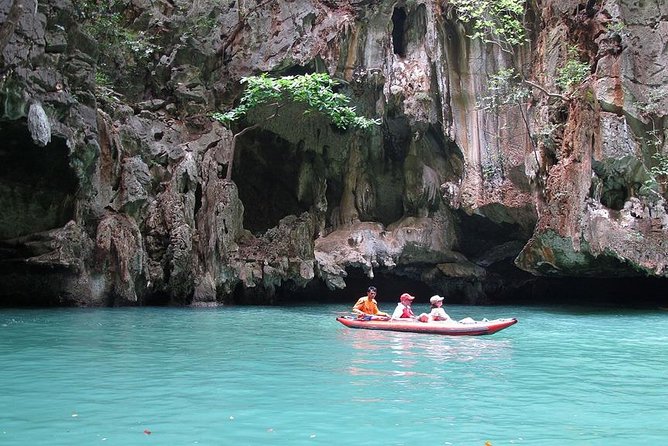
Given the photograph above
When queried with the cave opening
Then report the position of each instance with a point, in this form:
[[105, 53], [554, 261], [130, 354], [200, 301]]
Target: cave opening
[[631, 292], [198, 199], [37, 184], [624, 292], [612, 189], [396, 137], [266, 171], [389, 181], [614, 197], [389, 284], [37, 194], [479, 236], [399, 31]]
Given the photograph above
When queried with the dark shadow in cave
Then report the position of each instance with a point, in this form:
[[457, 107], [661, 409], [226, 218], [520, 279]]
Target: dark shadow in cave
[[479, 235], [634, 292], [33, 285], [37, 184], [396, 137], [408, 29], [399, 32], [390, 286], [266, 171], [611, 187], [37, 194], [637, 292]]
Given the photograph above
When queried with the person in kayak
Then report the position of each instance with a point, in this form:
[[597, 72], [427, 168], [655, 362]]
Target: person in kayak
[[437, 312], [405, 311], [367, 307]]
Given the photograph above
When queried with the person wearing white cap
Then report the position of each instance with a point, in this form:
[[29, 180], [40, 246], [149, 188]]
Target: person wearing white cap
[[437, 312]]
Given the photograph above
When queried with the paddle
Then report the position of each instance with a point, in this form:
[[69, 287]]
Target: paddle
[[375, 318], [366, 317]]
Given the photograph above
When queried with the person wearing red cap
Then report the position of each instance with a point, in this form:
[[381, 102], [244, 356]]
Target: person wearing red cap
[[404, 310]]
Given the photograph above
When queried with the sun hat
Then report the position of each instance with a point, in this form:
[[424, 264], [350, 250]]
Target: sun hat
[[407, 296], [436, 298]]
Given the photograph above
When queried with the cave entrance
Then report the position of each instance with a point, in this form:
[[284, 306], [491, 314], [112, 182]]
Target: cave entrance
[[408, 29], [612, 189], [480, 236], [399, 31], [266, 171], [389, 284], [37, 184]]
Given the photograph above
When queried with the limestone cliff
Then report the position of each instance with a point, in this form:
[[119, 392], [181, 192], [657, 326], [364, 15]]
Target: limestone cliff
[[113, 175]]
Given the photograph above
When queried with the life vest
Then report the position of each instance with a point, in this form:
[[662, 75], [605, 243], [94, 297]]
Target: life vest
[[407, 312]]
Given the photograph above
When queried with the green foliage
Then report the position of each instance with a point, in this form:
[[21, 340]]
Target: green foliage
[[315, 91], [658, 176], [652, 140], [497, 21], [661, 167], [505, 88], [118, 45], [104, 88], [102, 80], [545, 134], [204, 24], [573, 72], [492, 169], [615, 27]]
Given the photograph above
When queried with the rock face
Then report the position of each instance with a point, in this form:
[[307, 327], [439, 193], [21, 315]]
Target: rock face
[[599, 217], [113, 177]]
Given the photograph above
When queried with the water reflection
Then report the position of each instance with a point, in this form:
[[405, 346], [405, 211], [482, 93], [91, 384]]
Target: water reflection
[[397, 356]]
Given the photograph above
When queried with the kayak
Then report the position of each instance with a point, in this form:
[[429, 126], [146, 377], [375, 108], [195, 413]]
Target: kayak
[[451, 328]]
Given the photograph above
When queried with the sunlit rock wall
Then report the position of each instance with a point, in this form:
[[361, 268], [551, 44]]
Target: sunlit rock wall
[[603, 212], [119, 193]]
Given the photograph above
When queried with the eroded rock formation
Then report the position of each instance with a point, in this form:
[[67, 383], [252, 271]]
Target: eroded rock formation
[[113, 175]]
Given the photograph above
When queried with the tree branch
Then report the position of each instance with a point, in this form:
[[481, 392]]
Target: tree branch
[[228, 174], [244, 131], [548, 93]]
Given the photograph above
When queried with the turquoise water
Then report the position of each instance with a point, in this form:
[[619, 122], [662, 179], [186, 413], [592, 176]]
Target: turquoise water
[[294, 376]]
